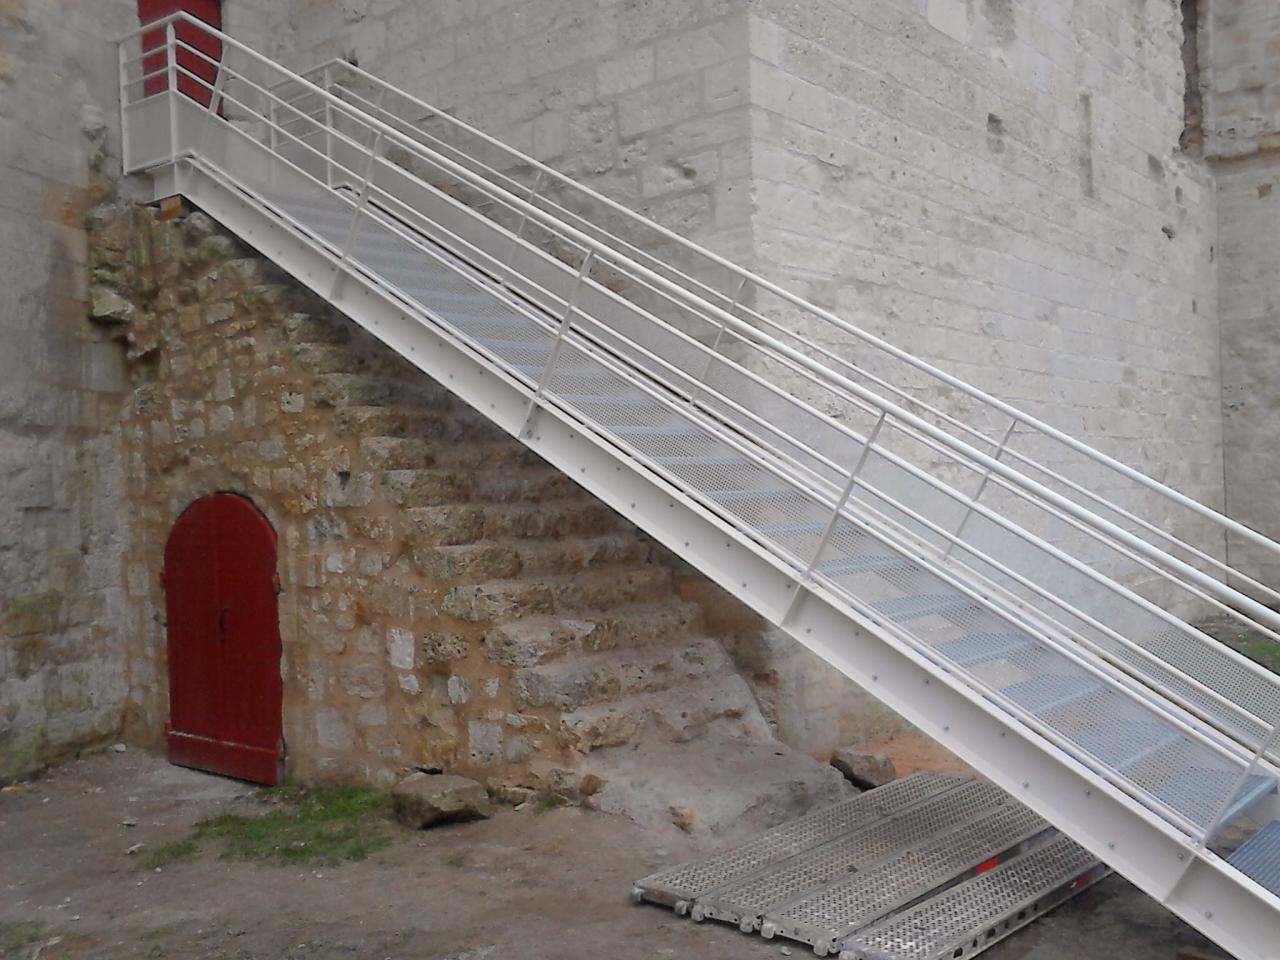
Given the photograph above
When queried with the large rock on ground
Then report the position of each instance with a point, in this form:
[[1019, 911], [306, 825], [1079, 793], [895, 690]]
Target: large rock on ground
[[864, 770], [422, 800]]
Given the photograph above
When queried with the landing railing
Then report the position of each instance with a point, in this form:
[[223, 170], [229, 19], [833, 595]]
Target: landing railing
[[957, 489]]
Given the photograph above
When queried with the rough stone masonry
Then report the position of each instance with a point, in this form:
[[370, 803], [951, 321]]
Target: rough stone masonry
[[1016, 191], [447, 600]]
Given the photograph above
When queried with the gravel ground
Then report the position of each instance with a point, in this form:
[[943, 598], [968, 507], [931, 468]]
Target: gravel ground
[[525, 884]]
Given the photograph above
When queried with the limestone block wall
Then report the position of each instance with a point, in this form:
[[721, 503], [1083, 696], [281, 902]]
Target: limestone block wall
[[447, 600], [61, 602], [243, 382], [998, 188], [1240, 77], [1240, 73], [643, 99]]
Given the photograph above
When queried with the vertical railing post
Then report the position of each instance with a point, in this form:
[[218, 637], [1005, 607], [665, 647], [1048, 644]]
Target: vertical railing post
[[565, 323], [171, 40], [700, 383], [519, 234], [345, 252], [273, 132], [836, 513], [1225, 806], [126, 163], [215, 100], [327, 81], [982, 486]]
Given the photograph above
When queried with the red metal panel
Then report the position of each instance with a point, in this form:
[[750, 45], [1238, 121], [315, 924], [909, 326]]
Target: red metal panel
[[224, 640], [210, 11]]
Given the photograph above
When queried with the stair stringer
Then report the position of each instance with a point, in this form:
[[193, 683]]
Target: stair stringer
[[1190, 880]]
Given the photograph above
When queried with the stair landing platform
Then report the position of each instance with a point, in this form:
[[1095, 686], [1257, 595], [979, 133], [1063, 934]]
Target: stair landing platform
[[930, 867]]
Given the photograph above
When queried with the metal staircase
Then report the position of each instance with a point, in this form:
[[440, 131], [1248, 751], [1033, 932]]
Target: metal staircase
[[1021, 597]]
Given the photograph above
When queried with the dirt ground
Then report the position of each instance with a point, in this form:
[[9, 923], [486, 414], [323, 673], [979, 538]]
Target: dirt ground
[[525, 884]]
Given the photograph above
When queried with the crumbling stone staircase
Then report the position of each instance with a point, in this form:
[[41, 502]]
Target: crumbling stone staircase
[[577, 603], [534, 638]]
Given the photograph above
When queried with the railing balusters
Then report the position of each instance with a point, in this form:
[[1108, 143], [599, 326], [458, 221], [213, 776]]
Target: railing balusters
[[1245, 774], [345, 252], [171, 41], [699, 383], [519, 236], [982, 486], [836, 513], [565, 323]]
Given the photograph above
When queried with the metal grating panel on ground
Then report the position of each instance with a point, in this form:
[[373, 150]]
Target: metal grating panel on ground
[[824, 918], [1259, 857], [979, 912], [744, 902], [684, 883]]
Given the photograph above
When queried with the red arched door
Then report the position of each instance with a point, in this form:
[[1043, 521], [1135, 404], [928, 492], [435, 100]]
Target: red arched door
[[224, 640]]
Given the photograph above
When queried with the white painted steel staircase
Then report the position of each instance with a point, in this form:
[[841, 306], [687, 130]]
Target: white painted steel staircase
[[971, 566]]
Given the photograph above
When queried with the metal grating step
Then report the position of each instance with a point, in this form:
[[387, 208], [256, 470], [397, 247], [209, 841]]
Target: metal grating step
[[983, 910], [1199, 793], [1122, 743], [1049, 692], [875, 563], [925, 868], [1258, 858], [903, 609], [981, 647], [825, 918], [746, 901], [680, 885]]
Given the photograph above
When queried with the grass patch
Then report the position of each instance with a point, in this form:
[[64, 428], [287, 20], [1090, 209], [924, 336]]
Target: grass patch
[[1253, 645], [304, 828], [167, 853], [18, 936], [312, 827], [548, 802]]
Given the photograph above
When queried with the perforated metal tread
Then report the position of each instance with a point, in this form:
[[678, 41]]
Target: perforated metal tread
[[519, 337], [1259, 857], [926, 868], [746, 901], [679, 886], [824, 918], [983, 910]]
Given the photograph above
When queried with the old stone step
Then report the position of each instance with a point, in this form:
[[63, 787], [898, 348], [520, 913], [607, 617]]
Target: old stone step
[[340, 358], [414, 423], [467, 523], [678, 714], [430, 487], [397, 453], [317, 328], [570, 683], [343, 389], [529, 557], [590, 590], [500, 452], [541, 638]]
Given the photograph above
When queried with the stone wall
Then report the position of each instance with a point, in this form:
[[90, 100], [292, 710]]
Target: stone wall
[[1240, 76], [62, 678], [447, 600], [642, 99], [998, 188]]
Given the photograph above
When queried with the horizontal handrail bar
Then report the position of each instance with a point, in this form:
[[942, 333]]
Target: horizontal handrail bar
[[765, 284]]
